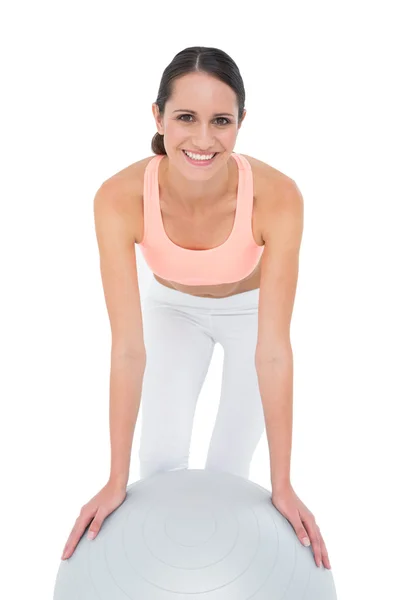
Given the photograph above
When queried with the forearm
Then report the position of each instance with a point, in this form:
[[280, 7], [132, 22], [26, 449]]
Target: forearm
[[126, 378], [275, 378]]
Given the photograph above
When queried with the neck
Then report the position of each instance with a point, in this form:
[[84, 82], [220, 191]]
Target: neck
[[195, 194]]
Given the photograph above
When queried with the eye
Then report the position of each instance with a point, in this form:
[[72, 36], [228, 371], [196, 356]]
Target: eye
[[180, 118], [225, 119]]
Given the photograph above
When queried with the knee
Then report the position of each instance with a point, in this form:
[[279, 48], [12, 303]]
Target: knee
[[151, 465], [240, 468]]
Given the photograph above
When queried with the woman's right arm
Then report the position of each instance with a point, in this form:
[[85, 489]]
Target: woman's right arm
[[114, 223]]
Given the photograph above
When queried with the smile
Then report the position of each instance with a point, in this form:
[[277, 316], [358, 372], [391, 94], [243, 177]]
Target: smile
[[199, 161]]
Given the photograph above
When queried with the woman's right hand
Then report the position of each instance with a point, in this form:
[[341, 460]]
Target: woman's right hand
[[98, 508]]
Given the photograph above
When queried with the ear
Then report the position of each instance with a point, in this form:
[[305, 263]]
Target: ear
[[243, 116], [157, 118]]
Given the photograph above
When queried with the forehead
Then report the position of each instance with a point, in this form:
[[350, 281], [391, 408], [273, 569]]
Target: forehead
[[202, 93]]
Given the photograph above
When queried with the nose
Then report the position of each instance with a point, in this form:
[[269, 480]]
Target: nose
[[203, 140]]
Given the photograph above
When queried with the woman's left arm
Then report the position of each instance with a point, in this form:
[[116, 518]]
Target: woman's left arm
[[282, 232]]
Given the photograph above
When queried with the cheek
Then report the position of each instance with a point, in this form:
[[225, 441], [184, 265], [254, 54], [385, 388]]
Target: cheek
[[228, 137], [175, 132]]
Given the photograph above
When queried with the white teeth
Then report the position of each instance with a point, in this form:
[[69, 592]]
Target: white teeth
[[198, 156]]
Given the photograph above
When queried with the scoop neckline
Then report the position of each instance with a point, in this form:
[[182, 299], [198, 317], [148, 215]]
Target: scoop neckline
[[235, 222]]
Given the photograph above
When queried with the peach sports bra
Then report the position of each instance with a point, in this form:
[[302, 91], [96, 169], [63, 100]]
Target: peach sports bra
[[230, 262]]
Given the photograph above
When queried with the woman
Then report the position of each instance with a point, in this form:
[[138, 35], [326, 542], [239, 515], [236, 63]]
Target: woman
[[201, 215]]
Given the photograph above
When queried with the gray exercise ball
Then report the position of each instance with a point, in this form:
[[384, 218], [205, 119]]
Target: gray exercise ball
[[198, 534]]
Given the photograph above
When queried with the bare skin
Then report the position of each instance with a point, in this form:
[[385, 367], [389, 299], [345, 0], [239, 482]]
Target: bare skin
[[209, 224]]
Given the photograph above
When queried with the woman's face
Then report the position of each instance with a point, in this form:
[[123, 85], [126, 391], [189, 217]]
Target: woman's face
[[203, 132]]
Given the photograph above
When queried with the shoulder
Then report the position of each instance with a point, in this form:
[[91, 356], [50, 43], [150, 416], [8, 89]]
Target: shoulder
[[276, 194], [131, 177], [124, 190], [266, 177]]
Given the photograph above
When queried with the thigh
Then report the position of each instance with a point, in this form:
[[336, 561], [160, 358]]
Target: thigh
[[178, 353], [240, 422]]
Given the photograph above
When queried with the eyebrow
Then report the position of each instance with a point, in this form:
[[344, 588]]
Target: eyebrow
[[195, 113]]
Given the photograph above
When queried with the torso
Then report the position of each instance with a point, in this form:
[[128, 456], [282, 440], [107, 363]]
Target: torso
[[209, 230]]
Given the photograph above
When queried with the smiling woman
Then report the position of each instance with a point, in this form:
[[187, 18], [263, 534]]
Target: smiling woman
[[221, 232]]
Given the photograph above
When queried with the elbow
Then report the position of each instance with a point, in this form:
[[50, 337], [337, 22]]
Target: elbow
[[130, 353], [281, 353]]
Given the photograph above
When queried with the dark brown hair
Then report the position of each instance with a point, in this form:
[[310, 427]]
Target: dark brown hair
[[201, 60]]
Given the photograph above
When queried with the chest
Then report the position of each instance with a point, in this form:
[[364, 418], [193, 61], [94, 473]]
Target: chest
[[206, 229]]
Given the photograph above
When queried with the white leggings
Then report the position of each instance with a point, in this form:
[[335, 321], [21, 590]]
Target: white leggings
[[180, 332]]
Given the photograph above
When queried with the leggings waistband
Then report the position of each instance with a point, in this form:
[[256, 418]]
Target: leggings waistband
[[161, 293]]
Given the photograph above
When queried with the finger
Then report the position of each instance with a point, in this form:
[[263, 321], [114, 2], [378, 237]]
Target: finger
[[324, 553], [314, 536], [77, 531], [96, 524], [301, 532]]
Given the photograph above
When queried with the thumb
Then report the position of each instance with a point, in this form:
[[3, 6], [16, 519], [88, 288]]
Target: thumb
[[301, 531], [96, 525]]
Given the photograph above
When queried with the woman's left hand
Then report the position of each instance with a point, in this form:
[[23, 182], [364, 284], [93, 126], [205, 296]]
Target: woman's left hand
[[302, 521]]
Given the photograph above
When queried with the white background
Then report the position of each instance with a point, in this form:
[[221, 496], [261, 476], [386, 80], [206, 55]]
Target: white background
[[78, 80]]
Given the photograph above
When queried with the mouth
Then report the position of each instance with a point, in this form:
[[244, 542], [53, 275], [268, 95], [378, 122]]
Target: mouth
[[200, 162]]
